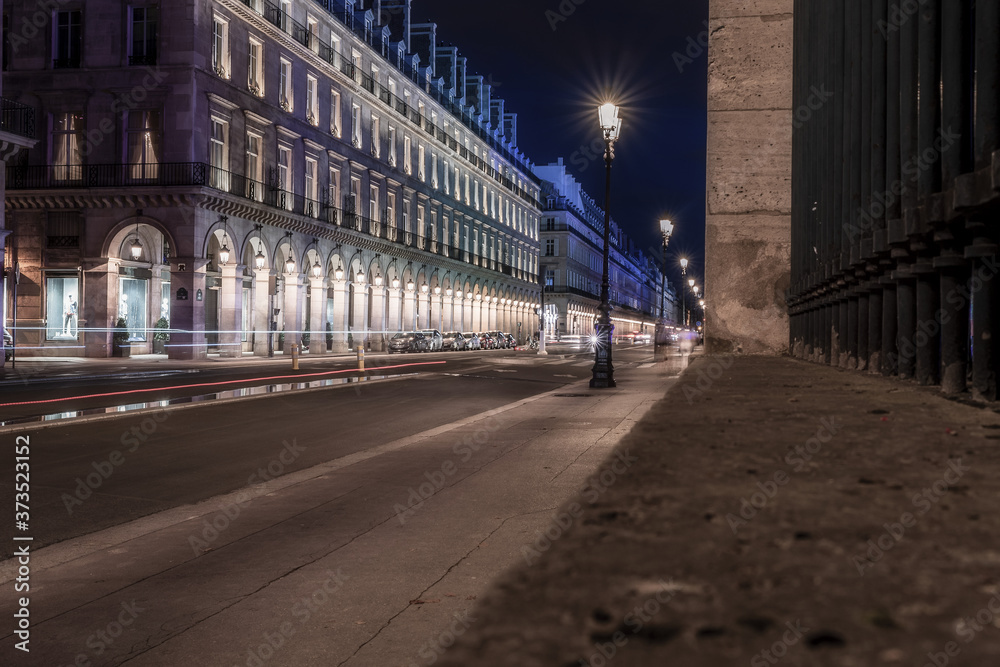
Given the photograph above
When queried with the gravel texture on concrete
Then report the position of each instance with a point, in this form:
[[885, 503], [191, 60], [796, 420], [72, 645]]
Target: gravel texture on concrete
[[767, 511]]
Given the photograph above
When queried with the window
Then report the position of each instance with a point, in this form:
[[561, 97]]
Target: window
[[312, 101], [390, 209], [392, 146], [255, 76], [220, 47], [61, 308], [285, 89], [255, 168], [420, 162], [313, 28], [312, 187], [467, 202], [356, 125], [375, 136], [67, 135], [356, 65], [373, 203], [550, 277], [132, 306], [333, 188], [69, 39], [285, 177], [407, 162], [143, 143], [218, 154], [434, 169], [335, 116], [550, 247], [144, 21]]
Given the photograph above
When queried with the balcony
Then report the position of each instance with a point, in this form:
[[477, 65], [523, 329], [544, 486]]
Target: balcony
[[17, 118]]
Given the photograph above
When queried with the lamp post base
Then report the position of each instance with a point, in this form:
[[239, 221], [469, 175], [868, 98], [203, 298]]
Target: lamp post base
[[603, 370]]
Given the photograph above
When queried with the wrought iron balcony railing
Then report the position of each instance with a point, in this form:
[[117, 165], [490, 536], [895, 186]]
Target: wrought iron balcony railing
[[17, 118]]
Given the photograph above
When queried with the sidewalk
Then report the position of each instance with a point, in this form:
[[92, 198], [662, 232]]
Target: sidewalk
[[365, 560], [775, 512]]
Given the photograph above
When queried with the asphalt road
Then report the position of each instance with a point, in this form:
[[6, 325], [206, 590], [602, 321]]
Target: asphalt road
[[224, 519]]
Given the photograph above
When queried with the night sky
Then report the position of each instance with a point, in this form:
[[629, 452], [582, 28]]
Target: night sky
[[554, 69]]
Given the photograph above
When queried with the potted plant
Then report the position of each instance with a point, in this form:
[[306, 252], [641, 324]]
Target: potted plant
[[160, 336], [119, 339]]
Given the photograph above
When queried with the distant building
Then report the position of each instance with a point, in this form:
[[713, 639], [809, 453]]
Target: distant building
[[572, 242], [376, 182]]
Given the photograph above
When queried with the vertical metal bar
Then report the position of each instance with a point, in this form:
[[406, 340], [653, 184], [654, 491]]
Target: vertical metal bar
[[954, 327], [889, 359], [985, 350], [987, 135], [862, 329], [852, 331], [906, 311], [875, 310], [928, 334]]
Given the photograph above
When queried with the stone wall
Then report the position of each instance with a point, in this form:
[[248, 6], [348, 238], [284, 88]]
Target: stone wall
[[748, 216]]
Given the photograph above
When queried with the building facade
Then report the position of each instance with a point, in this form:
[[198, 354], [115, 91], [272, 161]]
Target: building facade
[[572, 265], [324, 170]]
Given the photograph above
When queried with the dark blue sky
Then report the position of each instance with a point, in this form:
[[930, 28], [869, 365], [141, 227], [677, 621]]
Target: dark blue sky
[[554, 67]]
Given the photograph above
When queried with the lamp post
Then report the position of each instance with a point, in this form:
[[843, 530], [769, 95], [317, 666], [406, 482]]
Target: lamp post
[[604, 370], [691, 286], [666, 230]]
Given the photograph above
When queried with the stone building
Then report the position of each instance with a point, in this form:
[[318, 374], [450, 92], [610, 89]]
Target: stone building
[[572, 264], [325, 170]]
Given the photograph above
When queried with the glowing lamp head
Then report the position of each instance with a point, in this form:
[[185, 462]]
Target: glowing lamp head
[[666, 228], [290, 263], [611, 123], [424, 288], [259, 259], [409, 285], [378, 280], [339, 274], [360, 277], [690, 282], [136, 249], [684, 263], [224, 254], [395, 283], [437, 291], [317, 270]]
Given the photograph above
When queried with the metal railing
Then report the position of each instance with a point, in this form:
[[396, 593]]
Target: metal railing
[[17, 118]]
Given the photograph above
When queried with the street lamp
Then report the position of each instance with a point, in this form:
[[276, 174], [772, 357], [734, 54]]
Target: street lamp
[[259, 258], [666, 230], [684, 266], [604, 370]]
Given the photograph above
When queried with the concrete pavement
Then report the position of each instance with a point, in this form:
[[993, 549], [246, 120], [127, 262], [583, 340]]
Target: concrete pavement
[[777, 513], [376, 558]]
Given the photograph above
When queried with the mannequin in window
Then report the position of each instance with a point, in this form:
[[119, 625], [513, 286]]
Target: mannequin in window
[[69, 315]]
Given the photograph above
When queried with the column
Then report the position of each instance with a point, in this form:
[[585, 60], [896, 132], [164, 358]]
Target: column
[[394, 320], [317, 316], [906, 311], [377, 338], [231, 311], [360, 329], [293, 309], [436, 312], [187, 313], [928, 334], [261, 311], [339, 323], [875, 329], [409, 311], [449, 312], [954, 322], [890, 329]]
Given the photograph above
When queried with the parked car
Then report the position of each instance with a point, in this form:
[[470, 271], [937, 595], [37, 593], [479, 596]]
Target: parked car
[[453, 341], [8, 345], [434, 339], [412, 341], [511, 341], [486, 341], [501, 340], [472, 342]]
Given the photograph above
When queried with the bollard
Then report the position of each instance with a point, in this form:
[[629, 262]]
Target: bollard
[[295, 357], [361, 358]]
